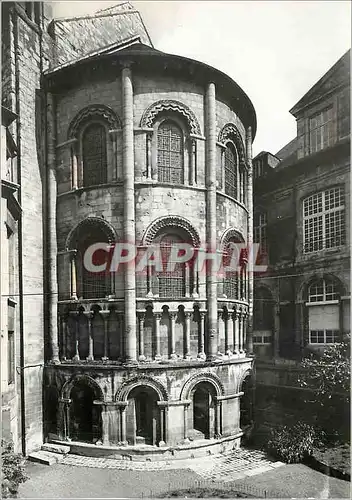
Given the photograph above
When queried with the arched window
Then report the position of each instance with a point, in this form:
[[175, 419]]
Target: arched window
[[92, 285], [171, 283], [94, 155], [230, 160], [323, 290], [170, 153]]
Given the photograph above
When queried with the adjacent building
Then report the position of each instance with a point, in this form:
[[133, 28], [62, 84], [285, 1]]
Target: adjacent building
[[302, 221]]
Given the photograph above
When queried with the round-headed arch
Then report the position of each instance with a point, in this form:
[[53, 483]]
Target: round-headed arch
[[246, 373], [90, 113], [231, 132], [198, 378], [302, 293], [129, 385], [90, 222], [231, 234], [170, 221], [151, 113], [84, 380]]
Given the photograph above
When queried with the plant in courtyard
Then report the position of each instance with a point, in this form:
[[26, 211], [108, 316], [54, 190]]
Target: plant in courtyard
[[328, 377], [292, 444], [13, 471]]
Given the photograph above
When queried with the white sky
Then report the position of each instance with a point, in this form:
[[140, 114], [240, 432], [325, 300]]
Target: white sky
[[275, 50]]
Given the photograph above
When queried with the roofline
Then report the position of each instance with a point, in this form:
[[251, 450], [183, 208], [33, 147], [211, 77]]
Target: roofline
[[156, 53], [325, 76], [123, 44]]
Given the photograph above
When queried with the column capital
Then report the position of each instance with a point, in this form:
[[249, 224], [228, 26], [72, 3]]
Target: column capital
[[104, 313], [173, 315], [88, 314]]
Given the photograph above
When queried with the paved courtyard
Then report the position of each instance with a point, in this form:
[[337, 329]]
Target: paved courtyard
[[252, 472]]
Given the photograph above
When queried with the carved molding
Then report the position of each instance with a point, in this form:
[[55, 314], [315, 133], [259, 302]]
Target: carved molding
[[154, 109], [91, 222], [169, 221], [230, 234], [141, 380], [231, 132], [85, 379], [196, 379], [90, 112]]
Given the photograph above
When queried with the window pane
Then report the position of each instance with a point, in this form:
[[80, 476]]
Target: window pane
[[171, 283], [170, 153], [94, 155], [230, 172], [335, 229]]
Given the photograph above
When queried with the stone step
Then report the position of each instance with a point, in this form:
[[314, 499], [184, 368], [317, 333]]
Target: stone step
[[45, 457], [61, 449]]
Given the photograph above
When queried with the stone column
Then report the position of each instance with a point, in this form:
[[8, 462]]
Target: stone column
[[236, 336], [64, 327], [157, 335], [75, 315], [201, 353], [172, 316], [187, 354], [247, 340], [240, 330], [220, 315], [226, 328], [149, 137], [250, 276], [217, 419], [73, 275], [129, 214], [276, 346], [74, 165], [113, 138], [141, 317], [104, 422], [122, 407], [104, 313], [211, 279], [89, 315], [64, 415], [185, 423], [51, 288]]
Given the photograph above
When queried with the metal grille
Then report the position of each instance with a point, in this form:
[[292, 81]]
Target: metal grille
[[94, 155], [231, 281], [93, 285], [324, 220], [170, 153], [172, 284], [230, 172]]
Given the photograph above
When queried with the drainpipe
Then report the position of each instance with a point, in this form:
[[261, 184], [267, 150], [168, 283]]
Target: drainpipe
[[20, 239]]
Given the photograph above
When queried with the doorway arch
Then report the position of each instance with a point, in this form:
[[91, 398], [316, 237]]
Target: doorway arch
[[143, 416], [203, 402], [85, 416]]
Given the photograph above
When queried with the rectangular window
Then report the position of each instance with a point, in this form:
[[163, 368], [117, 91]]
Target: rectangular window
[[324, 220], [11, 357], [323, 336], [321, 130], [260, 232]]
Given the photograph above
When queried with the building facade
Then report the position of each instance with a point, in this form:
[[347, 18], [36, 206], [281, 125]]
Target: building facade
[[302, 221], [130, 146]]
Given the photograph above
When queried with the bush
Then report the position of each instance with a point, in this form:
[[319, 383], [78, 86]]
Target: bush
[[295, 443], [13, 471]]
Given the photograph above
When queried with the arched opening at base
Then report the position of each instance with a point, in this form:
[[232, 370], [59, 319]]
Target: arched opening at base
[[203, 411], [85, 417], [143, 416]]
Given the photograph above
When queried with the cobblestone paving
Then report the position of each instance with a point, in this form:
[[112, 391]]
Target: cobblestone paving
[[234, 465]]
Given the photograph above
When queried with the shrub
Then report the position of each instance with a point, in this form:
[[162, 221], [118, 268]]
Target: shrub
[[293, 444], [13, 471]]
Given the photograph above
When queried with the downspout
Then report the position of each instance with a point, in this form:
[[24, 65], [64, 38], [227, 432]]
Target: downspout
[[20, 239]]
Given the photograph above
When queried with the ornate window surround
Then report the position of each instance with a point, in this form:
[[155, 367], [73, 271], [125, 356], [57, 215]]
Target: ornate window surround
[[72, 249], [183, 116], [158, 229], [233, 235], [230, 134], [105, 116]]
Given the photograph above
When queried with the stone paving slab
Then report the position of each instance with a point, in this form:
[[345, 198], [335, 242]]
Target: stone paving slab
[[235, 465]]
